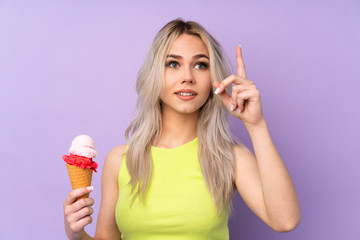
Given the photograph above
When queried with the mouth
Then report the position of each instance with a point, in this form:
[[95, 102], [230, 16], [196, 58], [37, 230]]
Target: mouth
[[186, 92]]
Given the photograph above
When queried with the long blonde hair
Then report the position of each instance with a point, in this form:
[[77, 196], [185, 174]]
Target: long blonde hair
[[214, 138]]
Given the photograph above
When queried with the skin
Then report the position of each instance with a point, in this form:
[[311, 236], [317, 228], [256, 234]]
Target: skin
[[261, 179], [186, 72]]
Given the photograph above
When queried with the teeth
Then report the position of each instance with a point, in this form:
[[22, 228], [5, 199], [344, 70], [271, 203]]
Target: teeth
[[186, 94]]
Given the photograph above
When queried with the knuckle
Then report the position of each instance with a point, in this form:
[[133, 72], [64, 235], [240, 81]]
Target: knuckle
[[83, 201], [71, 195], [73, 227], [69, 220], [67, 200], [234, 95], [66, 212]]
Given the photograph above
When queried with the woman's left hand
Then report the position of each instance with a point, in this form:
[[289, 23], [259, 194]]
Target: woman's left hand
[[244, 102]]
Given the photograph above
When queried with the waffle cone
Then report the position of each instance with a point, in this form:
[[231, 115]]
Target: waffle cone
[[79, 177]]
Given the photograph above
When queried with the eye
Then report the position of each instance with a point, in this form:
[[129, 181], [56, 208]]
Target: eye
[[202, 65], [172, 64]]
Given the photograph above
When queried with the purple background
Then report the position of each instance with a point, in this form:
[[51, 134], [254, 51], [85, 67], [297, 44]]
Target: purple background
[[69, 68]]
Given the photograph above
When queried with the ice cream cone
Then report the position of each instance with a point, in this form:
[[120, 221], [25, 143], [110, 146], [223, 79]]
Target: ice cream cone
[[79, 163], [79, 177]]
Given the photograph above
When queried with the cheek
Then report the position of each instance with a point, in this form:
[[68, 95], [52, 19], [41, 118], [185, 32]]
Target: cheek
[[207, 84], [207, 88], [165, 86], [166, 91], [206, 91], [163, 94], [206, 79]]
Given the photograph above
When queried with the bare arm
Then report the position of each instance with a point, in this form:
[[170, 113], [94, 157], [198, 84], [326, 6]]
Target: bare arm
[[106, 225], [264, 182]]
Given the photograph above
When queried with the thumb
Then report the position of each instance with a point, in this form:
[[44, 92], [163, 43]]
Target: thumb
[[225, 97]]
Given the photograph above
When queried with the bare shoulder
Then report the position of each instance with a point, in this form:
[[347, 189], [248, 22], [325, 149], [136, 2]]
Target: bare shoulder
[[114, 158], [106, 226], [117, 151]]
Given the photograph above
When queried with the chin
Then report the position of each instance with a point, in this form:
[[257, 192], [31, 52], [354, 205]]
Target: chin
[[191, 110], [188, 111], [183, 108]]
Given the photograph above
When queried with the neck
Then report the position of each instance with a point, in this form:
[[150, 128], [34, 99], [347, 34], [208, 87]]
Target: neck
[[177, 128]]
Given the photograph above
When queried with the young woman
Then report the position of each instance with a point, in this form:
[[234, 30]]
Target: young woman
[[176, 176]]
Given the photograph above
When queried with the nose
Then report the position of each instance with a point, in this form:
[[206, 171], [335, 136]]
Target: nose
[[188, 76]]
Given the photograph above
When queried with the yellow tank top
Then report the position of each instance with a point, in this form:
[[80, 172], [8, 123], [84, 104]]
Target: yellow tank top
[[178, 204]]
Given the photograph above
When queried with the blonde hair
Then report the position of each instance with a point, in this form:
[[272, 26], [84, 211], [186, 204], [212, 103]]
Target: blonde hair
[[214, 138]]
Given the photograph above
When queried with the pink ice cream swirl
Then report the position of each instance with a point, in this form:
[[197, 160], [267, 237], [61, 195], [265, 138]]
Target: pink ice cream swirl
[[82, 151]]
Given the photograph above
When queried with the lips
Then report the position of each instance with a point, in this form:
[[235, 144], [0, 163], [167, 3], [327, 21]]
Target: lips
[[186, 92]]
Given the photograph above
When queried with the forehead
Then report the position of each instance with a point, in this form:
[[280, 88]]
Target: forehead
[[187, 44]]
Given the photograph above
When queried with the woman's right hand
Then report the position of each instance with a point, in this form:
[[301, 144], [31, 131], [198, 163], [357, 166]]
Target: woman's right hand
[[77, 214]]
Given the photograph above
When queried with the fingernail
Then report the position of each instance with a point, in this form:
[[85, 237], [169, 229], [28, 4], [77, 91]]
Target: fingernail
[[239, 45], [90, 188], [217, 91], [232, 108]]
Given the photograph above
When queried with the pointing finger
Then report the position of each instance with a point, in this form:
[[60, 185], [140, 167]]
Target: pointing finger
[[240, 63]]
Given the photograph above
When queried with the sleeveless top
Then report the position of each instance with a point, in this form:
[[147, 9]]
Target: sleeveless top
[[178, 204]]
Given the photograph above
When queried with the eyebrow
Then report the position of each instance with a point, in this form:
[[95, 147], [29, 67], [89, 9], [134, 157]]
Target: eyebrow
[[194, 57]]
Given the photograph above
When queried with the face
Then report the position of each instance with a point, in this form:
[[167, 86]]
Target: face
[[187, 76]]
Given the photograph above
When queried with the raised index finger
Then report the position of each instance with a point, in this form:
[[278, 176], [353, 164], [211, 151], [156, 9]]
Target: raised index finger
[[240, 63]]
